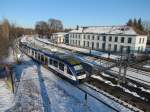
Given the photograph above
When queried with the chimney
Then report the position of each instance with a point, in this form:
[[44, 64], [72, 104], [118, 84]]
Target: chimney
[[77, 28]]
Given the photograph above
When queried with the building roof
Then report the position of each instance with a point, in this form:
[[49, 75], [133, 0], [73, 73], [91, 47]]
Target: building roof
[[60, 33], [122, 30]]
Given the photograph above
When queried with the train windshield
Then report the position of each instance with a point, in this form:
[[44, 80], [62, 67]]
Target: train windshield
[[78, 67]]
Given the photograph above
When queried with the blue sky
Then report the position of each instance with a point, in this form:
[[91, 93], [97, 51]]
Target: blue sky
[[74, 12]]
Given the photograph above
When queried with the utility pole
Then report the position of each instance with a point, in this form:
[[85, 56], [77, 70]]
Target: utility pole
[[123, 64], [120, 69]]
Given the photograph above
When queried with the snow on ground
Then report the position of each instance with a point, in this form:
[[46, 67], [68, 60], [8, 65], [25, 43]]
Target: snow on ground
[[146, 66], [36, 90], [6, 97]]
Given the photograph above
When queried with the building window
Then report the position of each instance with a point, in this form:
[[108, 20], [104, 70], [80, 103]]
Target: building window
[[103, 46], [97, 45], [109, 47], [116, 39], [115, 47], [87, 43], [79, 42], [129, 40], [84, 36], [76, 42], [84, 43], [104, 38], [93, 37], [79, 36], [97, 37], [140, 41], [89, 37], [122, 39], [110, 38], [143, 40]]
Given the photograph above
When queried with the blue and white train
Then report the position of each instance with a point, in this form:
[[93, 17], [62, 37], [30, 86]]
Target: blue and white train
[[64, 64]]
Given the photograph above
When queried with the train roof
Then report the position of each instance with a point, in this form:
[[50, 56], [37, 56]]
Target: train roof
[[68, 58], [62, 56]]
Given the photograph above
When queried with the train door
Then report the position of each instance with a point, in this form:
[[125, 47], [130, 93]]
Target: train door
[[36, 55], [39, 57], [32, 53], [65, 70], [42, 58], [46, 61]]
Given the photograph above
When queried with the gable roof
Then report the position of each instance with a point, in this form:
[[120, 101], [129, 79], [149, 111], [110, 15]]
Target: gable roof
[[124, 30]]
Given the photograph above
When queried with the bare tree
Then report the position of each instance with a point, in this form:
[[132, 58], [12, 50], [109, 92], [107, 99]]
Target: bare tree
[[5, 28], [41, 28], [146, 25], [55, 24], [4, 38]]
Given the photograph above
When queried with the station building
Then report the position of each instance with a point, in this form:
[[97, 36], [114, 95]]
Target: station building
[[108, 38]]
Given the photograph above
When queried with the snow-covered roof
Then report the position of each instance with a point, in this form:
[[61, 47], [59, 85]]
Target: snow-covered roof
[[124, 30], [60, 33]]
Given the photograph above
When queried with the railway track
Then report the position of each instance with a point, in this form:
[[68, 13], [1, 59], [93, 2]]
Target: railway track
[[134, 78], [87, 88], [107, 62], [119, 105], [139, 71]]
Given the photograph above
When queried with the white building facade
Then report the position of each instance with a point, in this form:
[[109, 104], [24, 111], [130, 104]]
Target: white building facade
[[108, 38], [58, 38]]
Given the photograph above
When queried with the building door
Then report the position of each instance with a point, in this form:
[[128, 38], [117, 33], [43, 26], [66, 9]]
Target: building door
[[115, 48], [103, 46], [92, 45]]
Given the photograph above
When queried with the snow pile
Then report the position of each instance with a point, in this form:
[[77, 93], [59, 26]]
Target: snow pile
[[6, 97], [146, 66]]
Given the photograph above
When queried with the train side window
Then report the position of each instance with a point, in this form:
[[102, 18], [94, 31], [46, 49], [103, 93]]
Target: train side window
[[50, 61], [46, 60], [32, 53], [39, 56], [42, 58], [68, 71], [61, 66], [36, 55], [55, 63]]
